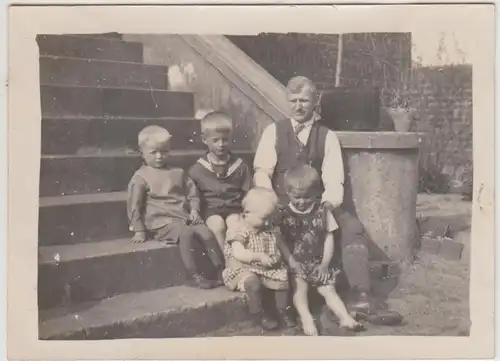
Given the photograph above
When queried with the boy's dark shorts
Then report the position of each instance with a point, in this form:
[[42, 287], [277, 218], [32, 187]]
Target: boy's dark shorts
[[223, 212]]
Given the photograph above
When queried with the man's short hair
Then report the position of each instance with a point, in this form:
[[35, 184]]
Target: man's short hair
[[153, 133], [302, 177], [297, 83], [216, 122]]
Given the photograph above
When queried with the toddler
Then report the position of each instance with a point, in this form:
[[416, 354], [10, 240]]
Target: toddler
[[163, 205], [221, 177], [307, 229], [253, 258]]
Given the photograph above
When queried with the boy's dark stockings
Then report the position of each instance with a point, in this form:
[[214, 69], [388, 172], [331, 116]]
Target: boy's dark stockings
[[187, 244]]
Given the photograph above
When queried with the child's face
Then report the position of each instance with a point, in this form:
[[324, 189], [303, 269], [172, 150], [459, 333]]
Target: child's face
[[302, 198], [155, 154], [217, 142], [257, 218]]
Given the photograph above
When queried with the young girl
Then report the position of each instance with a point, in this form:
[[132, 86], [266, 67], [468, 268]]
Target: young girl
[[253, 258], [163, 205], [308, 228]]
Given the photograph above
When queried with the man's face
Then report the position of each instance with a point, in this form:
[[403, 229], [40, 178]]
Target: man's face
[[302, 104]]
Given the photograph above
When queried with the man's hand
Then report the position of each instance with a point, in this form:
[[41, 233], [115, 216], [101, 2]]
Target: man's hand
[[139, 237], [194, 218], [328, 206]]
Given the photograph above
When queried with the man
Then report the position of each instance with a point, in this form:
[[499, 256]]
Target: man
[[301, 139]]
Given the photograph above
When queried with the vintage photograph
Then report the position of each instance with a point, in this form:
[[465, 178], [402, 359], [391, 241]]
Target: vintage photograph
[[196, 185]]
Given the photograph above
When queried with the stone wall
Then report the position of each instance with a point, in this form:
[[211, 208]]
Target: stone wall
[[369, 59], [188, 71], [442, 97]]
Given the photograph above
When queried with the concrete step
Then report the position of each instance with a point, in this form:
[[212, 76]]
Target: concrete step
[[86, 134], [82, 101], [65, 71], [90, 48], [172, 312], [72, 274], [82, 218], [110, 36], [105, 172]]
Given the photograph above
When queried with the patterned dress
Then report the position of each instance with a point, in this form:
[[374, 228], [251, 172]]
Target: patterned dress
[[305, 234], [236, 272]]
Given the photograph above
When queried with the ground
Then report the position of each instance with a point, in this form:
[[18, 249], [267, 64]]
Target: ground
[[432, 294]]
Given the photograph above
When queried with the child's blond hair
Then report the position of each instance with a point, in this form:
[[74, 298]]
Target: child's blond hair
[[153, 133], [216, 122], [260, 199], [302, 177]]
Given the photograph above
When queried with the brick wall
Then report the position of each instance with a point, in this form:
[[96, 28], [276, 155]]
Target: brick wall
[[370, 59], [442, 97]]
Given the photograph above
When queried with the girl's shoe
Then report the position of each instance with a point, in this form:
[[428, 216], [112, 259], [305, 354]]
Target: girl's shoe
[[286, 320], [264, 322], [198, 281]]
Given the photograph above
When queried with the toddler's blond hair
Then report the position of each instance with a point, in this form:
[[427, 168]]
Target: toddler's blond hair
[[153, 133]]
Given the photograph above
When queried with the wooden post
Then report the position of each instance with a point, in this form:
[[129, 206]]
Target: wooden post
[[338, 69]]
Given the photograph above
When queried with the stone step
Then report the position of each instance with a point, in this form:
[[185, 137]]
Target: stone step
[[64, 71], [110, 36], [72, 274], [82, 101], [172, 312], [105, 172], [82, 218], [86, 134], [90, 48]]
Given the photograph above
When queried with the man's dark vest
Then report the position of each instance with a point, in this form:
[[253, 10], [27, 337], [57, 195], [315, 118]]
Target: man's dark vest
[[290, 152]]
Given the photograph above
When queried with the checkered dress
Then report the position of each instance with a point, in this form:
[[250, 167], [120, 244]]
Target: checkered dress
[[236, 272]]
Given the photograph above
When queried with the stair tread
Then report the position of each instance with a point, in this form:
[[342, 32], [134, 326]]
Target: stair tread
[[86, 117], [97, 60], [113, 88], [82, 199], [116, 154], [79, 251], [129, 307]]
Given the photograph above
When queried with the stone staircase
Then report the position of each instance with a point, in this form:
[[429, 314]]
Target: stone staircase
[[93, 283]]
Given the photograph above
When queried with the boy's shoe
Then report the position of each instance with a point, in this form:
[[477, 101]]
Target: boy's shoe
[[198, 281], [219, 281]]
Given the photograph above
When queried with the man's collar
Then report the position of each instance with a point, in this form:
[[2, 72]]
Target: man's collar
[[315, 117]]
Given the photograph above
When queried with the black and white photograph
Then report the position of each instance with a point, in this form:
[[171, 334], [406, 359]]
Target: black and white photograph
[[275, 183]]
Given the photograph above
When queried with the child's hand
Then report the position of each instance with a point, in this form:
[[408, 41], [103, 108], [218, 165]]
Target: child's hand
[[265, 260], [296, 266], [194, 218], [328, 206], [139, 237], [323, 273]]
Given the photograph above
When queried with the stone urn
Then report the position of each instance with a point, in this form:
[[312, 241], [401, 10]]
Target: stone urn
[[403, 118]]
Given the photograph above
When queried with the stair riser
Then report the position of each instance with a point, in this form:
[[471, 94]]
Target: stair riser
[[101, 277], [189, 323], [96, 73], [95, 175], [78, 136], [82, 223], [81, 101], [111, 36], [88, 48]]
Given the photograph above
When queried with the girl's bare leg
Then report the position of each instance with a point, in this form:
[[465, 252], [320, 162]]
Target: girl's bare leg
[[302, 306], [334, 302]]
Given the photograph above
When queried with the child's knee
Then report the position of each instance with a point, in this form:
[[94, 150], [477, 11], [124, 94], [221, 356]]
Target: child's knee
[[252, 283], [216, 224]]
